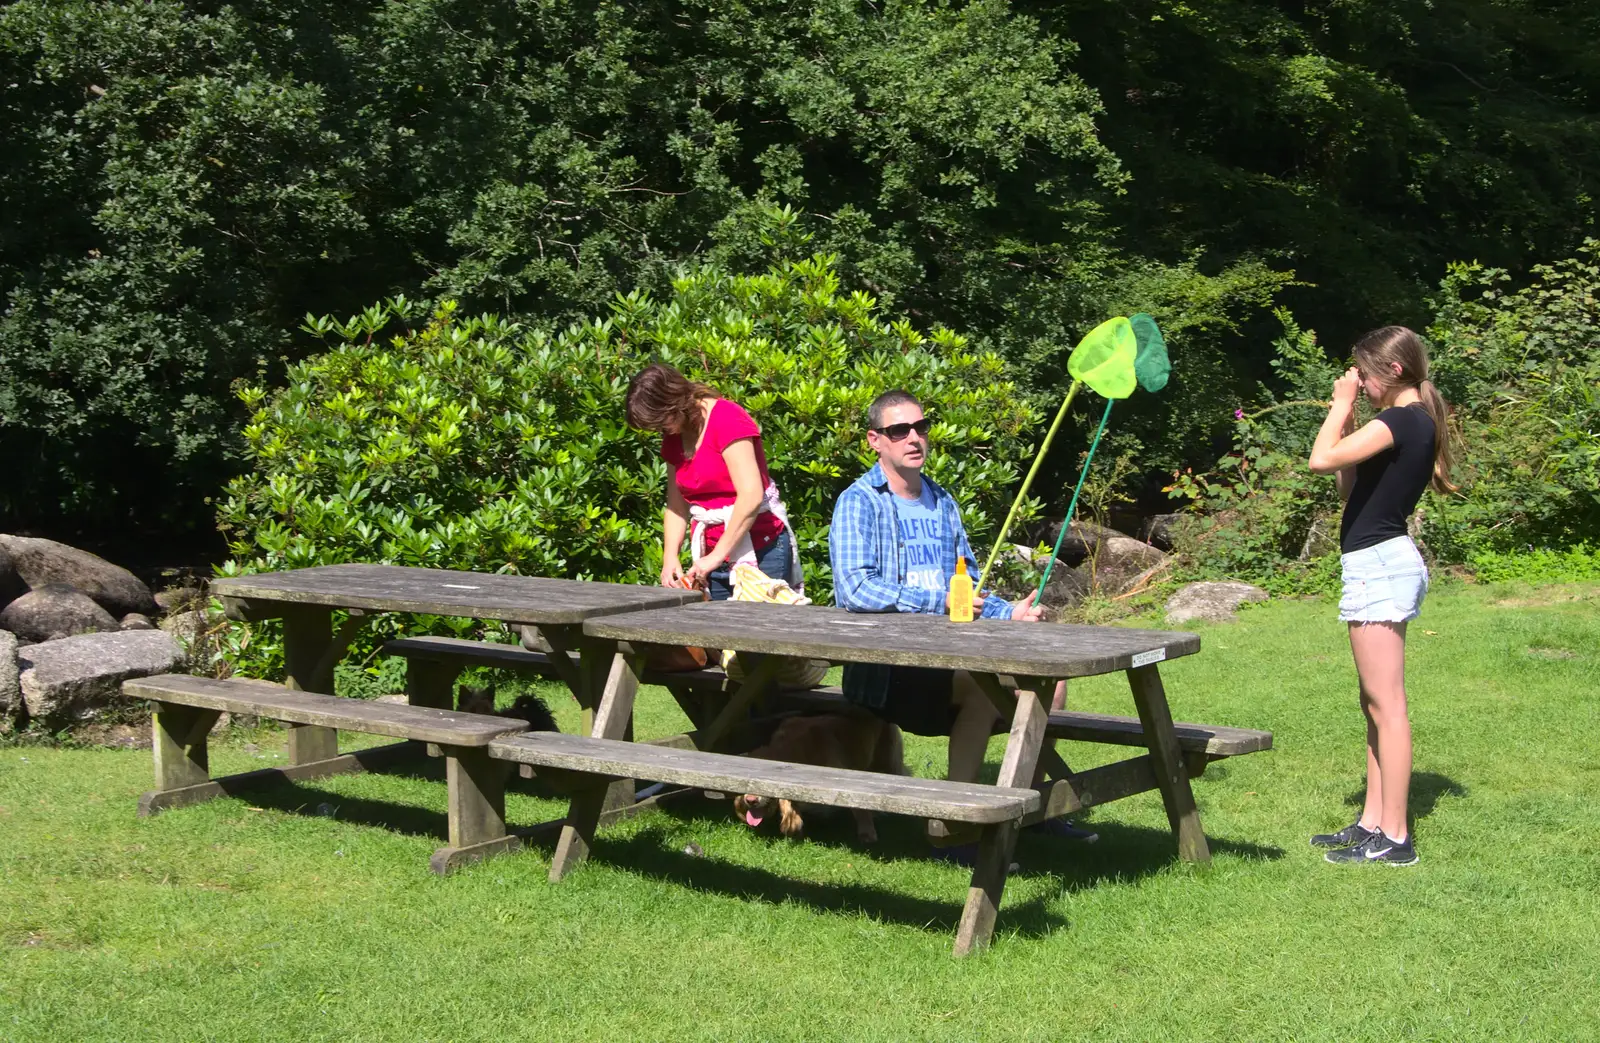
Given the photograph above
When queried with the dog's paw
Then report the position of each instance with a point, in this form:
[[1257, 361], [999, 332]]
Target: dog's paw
[[866, 828], [791, 825]]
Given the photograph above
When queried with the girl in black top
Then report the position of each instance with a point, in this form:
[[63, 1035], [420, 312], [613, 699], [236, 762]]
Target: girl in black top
[[1382, 471]]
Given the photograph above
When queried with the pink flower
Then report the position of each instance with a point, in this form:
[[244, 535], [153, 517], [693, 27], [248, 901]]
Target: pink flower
[[1238, 414]]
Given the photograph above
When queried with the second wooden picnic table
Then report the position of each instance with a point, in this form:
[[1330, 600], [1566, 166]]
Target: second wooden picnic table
[[306, 599]]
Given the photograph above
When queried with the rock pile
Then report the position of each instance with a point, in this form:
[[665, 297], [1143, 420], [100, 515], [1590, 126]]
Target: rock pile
[[73, 627], [1094, 560]]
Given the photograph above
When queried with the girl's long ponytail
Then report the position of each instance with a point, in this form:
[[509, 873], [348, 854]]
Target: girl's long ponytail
[[1443, 453], [1397, 357]]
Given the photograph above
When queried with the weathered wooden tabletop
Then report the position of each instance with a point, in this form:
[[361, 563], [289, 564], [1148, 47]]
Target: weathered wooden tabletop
[[399, 588], [900, 639]]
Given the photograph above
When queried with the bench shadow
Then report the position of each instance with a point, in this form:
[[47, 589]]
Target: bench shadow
[[1124, 853], [305, 798], [650, 853], [1427, 788]]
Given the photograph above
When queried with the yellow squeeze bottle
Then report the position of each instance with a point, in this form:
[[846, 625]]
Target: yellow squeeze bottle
[[960, 599]]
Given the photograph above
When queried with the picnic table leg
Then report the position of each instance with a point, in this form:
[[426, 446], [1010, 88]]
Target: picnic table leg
[[609, 717], [577, 835], [1026, 749], [564, 646], [432, 684], [605, 674], [307, 640], [477, 809], [988, 882], [181, 757], [997, 842], [1172, 776], [758, 679]]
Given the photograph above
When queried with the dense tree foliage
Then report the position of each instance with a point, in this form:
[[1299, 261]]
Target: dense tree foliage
[[182, 181], [1363, 143]]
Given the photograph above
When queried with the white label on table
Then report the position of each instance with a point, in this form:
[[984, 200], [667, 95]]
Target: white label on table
[[1152, 656], [458, 586], [853, 623]]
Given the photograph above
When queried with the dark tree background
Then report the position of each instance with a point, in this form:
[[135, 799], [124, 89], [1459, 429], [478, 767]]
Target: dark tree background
[[182, 182]]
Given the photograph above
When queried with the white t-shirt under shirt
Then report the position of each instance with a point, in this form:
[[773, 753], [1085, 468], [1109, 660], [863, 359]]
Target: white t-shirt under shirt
[[923, 537]]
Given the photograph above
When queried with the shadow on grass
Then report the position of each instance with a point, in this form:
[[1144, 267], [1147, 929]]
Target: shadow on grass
[[1124, 853], [305, 797], [650, 853], [1427, 787], [301, 798]]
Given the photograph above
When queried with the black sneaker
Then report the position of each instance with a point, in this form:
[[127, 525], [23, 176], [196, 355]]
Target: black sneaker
[[1377, 849], [1350, 835]]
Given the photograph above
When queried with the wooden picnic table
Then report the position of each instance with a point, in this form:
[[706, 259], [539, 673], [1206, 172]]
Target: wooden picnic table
[[305, 599], [1015, 664]]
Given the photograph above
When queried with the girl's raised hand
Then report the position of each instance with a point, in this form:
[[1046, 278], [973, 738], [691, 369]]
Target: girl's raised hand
[[1345, 388]]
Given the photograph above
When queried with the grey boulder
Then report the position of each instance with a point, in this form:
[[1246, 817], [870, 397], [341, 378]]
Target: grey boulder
[[10, 682], [136, 621], [42, 562], [11, 583], [1161, 529], [1080, 542], [180, 599], [1215, 602], [51, 609], [1119, 562], [74, 678], [194, 630], [1067, 587]]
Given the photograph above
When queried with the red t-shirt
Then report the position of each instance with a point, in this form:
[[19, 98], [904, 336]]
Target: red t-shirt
[[704, 479]]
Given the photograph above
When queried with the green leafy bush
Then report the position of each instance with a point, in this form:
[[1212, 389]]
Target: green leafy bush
[[1574, 563], [480, 444], [1255, 513], [1524, 368], [1522, 372]]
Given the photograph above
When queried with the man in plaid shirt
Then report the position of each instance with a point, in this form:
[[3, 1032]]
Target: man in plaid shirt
[[893, 545]]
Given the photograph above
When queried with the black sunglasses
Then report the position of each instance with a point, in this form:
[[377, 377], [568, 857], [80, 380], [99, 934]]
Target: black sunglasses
[[898, 432]]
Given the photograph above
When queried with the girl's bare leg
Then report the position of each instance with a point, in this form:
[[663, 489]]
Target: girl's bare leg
[[1372, 810], [1379, 650]]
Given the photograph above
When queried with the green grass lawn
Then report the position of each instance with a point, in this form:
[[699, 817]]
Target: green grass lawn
[[257, 920]]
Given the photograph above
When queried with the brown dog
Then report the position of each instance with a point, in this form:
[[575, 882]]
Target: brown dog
[[830, 740]]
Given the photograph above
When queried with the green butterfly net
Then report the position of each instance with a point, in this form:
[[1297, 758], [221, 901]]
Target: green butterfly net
[[1105, 358], [1150, 363]]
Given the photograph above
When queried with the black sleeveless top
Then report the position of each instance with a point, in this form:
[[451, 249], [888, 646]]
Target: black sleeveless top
[[1389, 484]]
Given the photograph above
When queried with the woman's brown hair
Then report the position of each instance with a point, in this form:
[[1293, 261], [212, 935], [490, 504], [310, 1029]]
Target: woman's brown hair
[[1377, 353], [659, 397]]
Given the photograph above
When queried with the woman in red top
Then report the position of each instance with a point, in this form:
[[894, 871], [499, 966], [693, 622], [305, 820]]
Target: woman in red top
[[718, 490]]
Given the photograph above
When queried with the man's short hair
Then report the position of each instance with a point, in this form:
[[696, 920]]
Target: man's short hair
[[886, 401]]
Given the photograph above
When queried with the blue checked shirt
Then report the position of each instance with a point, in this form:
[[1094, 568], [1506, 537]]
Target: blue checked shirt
[[869, 572]]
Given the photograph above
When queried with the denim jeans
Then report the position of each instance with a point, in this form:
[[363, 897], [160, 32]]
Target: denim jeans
[[773, 559]]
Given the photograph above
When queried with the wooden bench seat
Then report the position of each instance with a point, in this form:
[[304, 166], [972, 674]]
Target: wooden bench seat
[[187, 707], [838, 787], [1200, 743]]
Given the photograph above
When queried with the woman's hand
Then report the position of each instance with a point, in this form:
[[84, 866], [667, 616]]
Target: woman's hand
[[702, 568], [1346, 387], [672, 574]]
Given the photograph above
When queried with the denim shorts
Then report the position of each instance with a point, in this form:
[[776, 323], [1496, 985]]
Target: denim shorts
[[774, 559], [1384, 583]]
